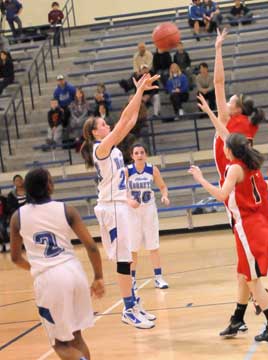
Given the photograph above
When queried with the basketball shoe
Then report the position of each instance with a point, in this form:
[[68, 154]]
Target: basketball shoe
[[134, 317], [263, 336], [148, 316], [160, 283], [233, 328]]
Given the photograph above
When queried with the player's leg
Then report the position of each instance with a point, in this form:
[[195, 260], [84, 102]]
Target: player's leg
[[133, 269], [156, 263], [66, 351], [80, 345]]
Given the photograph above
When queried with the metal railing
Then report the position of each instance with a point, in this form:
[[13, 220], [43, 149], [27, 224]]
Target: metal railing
[[68, 10]]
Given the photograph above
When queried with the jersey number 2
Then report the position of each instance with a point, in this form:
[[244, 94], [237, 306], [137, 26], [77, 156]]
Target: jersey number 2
[[48, 238]]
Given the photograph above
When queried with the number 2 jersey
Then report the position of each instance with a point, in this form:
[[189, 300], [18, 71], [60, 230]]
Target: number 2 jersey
[[140, 184], [111, 175], [46, 235]]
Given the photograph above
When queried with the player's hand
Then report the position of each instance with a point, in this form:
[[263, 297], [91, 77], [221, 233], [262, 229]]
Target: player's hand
[[133, 203], [196, 172], [203, 105], [146, 81], [97, 288], [221, 36], [165, 200]]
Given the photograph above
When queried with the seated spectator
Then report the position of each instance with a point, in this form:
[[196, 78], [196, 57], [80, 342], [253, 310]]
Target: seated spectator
[[212, 15], [182, 58], [102, 96], [6, 70], [178, 88], [239, 13], [196, 17], [142, 56], [55, 118], [205, 85], [55, 17], [65, 94], [16, 197], [13, 9], [103, 112], [80, 111], [4, 238], [161, 64]]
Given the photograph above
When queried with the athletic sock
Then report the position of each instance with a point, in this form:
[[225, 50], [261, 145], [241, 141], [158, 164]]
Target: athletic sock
[[133, 273], [266, 314], [83, 358], [129, 302], [240, 311], [158, 271], [133, 295]]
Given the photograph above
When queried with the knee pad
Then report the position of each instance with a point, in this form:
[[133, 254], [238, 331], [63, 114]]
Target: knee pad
[[123, 268]]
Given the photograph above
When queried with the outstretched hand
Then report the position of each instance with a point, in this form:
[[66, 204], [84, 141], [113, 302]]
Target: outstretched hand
[[196, 172], [203, 105], [146, 82], [221, 36]]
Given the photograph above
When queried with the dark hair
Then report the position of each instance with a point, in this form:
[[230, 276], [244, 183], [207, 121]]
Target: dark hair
[[255, 114], [36, 185], [55, 3], [242, 150], [17, 176], [204, 65], [138, 145], [87, 146], [97, 110]]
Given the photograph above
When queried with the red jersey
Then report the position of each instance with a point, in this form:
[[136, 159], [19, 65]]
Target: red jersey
[[236, 124]]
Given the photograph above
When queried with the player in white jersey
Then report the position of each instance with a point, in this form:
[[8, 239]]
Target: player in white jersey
[[140, 179], [112, 211], [45, 227]]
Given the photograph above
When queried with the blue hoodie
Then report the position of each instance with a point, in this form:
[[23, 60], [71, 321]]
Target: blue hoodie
[[180, 82], [65, 95], [196, 12]]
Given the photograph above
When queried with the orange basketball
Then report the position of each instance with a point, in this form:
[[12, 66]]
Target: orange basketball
[[166, 36]]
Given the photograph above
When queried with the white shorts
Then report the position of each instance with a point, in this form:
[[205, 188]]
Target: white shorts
[[145, 228], [114, 221], [63, 299]]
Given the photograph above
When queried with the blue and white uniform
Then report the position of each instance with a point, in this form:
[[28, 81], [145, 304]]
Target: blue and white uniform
[[60, 283], [112, 210], [144, 219]]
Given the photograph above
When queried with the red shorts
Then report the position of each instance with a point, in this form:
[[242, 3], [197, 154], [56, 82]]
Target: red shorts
[[252, 246]]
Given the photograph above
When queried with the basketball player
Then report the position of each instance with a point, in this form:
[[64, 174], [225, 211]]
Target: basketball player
[[140, 178], [112, 210], [245, 193], [61, 289], [239, 114]]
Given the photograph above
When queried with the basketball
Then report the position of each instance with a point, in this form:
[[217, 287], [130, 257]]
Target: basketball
[[166, 36]]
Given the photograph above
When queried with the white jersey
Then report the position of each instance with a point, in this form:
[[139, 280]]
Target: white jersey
[[111, 176], [140, 184], [46, 235]]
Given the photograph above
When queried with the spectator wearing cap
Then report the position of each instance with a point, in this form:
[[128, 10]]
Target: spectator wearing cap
[[13, 9], [55, 17], [65, 94]]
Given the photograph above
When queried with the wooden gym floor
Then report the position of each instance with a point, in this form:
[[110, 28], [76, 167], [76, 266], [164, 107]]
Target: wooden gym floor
[[200, 269]]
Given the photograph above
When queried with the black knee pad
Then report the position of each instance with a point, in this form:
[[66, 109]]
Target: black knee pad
[[123, 268]]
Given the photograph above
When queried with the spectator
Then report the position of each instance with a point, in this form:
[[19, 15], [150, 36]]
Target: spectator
[[178, 88], [65, 94], [196, 17], [212, 15], [161, 64], [55, 119], [55, 17], [142, 56], [17, 197], [80, 111], [182, 58], [103, 112], [240, 13], [13, 9], [205, 85], [4, 239], [103, 97], [6, 70]]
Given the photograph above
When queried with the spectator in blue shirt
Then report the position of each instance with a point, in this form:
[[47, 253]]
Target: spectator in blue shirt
[[65, 94], [178, 88], [212, 15], [13, 9], [196, 17]]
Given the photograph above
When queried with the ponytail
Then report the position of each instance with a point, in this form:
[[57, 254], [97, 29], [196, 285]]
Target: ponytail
[[87, 146], [255, 114], [242, 150]]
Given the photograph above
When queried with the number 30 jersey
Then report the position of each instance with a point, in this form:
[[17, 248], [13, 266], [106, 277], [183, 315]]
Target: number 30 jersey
[[111, 176], [140, 184], [46, 235]]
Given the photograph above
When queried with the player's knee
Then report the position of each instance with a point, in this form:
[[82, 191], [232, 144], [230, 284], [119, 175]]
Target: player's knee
[[123, 268]]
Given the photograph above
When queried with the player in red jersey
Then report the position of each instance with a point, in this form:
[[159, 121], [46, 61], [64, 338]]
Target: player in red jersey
[[245, 194]]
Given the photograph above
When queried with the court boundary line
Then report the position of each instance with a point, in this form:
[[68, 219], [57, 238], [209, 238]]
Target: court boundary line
[[253, 347], [2, 347]]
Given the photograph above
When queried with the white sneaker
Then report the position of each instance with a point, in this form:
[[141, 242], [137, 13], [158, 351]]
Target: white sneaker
[[133, 317], [7, 245], [134, 284], [160, 283], [181, 112], [148, 316]]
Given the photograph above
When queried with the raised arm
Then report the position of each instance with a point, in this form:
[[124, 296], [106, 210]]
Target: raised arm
[[128, 117], [219, 78], [219, 125], [160, 183]]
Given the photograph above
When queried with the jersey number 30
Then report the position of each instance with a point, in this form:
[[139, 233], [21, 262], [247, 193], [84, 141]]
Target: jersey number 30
[[52, 249]]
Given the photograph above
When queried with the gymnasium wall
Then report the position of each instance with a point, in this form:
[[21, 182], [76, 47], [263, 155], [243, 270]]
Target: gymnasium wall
[[35, 11]]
